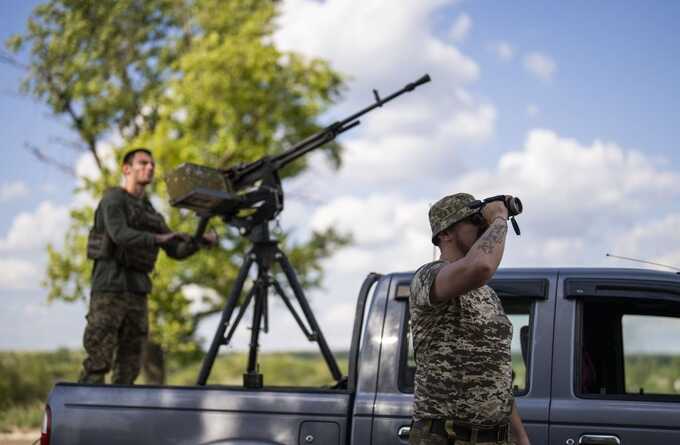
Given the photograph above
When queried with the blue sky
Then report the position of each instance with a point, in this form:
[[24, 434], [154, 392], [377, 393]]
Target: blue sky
[[573, 106]]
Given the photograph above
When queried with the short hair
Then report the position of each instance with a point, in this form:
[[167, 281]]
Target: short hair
[[130, 155]]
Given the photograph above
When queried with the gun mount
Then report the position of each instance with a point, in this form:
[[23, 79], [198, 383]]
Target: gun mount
[[249, 197]]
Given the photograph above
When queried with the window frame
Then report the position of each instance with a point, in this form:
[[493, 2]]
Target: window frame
[[530, 290], [627, 297]]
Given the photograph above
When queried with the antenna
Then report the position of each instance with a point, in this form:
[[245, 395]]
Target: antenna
[[643, 261]]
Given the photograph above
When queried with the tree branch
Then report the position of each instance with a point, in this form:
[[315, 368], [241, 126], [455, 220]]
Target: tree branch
[[42, 157]]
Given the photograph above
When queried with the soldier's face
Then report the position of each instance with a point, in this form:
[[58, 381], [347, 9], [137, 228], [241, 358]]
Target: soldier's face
[[467, 234], [468, 231], [142, 169]]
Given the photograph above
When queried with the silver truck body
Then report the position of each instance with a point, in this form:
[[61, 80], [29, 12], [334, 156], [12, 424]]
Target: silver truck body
[[558, 402]]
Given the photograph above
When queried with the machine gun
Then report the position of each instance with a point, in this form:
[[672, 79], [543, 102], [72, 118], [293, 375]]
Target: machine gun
[[249, 197]]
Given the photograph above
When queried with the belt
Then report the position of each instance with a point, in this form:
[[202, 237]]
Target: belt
[[448, 428]]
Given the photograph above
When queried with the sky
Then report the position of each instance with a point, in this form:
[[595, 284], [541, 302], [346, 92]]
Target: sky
[[571, 106]]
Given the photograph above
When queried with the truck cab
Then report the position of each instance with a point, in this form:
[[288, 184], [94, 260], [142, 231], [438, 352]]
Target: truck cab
[[582, 360]]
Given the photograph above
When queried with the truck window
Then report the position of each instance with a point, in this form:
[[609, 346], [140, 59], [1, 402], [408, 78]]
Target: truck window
[[519, 312], [649, 367], [629, 349]]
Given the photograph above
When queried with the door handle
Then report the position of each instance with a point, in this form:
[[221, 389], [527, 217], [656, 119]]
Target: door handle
[[598, 439], [404, 432]]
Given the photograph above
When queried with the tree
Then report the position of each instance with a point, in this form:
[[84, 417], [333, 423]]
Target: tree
[[197, 81]]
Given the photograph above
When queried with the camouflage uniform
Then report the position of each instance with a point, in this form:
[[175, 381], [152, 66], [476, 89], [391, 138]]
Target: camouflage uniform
[[117, 321], [462, 348]]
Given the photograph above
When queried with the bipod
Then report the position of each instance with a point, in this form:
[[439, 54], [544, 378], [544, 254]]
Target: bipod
[[264, 253]]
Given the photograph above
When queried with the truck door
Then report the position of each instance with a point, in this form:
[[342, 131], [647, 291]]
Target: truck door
[[616, 369], [528, 298]]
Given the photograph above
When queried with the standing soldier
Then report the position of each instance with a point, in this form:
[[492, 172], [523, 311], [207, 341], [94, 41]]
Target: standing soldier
[[124, 244], [461, 335]]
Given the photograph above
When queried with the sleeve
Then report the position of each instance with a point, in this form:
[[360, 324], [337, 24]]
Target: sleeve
[[422, 282], [177, 249], [180, 249], [115, 223]]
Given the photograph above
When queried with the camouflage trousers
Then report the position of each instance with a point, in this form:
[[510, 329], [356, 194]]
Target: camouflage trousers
[[117, 327], [421, 436]]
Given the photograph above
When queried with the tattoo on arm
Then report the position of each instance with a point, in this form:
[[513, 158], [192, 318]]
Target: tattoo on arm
[[493, 236]]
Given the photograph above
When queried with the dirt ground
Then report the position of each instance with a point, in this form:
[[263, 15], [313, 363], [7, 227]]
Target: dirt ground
[[19, 438]]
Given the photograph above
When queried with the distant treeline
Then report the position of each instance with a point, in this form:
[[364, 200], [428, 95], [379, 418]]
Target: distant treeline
[[27, 377]]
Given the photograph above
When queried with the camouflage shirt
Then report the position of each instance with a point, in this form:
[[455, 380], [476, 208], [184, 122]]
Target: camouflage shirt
[[115, 215], [462, 351]]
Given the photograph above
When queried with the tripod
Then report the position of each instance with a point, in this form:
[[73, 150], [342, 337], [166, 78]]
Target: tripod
[[264, 253], [256, 188]]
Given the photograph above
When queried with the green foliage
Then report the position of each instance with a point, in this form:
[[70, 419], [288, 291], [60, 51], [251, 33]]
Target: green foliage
[[293, 369], [22, 417], [196, 81], [27, 377], [653, 374]]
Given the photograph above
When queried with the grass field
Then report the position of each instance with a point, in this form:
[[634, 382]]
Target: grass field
[[27, 377]]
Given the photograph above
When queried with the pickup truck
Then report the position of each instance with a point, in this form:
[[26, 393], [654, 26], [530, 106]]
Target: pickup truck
[[581, 376]]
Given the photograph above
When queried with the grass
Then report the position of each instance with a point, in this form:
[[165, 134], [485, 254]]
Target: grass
[[27, 377]]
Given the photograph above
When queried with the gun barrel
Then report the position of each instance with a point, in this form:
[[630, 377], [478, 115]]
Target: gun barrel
[[250, 172], [422, 80], [329, 133]]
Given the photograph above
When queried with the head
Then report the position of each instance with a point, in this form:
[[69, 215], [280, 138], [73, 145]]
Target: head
[[138, 166], [454, 225]]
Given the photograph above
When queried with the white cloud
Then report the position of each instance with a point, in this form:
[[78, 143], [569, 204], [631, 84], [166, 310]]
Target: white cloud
[[392, 38], [502, 50], [86, 166], [34, 230], [198, 296], [13, 190], [442, 115], [460, 28], [656, 240], [540, 65], [568, 186], [18, 275]]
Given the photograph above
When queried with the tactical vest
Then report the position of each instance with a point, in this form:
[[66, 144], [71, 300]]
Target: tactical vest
[[140, 215]]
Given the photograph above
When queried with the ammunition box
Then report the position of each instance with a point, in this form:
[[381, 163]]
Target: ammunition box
[[197, 187]]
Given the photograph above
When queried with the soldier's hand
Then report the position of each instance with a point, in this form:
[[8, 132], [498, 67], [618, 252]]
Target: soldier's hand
[[493, 210], [210, 239]]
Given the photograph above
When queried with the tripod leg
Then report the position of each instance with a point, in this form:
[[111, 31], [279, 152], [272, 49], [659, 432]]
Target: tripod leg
[[307, 310], [218, 340], [252, 377], [241, 310], [310, 336]]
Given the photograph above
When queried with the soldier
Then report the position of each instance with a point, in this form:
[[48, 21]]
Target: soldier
[[124, 244], [461, 335]]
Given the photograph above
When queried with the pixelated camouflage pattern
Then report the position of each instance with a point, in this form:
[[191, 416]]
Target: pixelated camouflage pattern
[[117, 327], [449, 210], [462, 351], [420, 437]]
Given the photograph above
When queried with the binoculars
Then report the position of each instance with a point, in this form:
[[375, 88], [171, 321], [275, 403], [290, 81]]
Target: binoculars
[[513, 204]]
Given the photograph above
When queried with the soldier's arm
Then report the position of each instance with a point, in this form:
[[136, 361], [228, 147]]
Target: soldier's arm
[[181, 247], [476, 268], [113, 214], [518, 431]]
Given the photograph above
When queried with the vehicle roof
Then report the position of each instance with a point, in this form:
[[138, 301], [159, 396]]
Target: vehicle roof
[[585, 272]]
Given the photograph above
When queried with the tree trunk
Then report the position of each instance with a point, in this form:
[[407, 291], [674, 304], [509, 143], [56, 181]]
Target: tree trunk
[[154, 363]]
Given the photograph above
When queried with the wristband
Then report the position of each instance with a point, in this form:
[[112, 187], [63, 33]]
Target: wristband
[[505, 220]]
